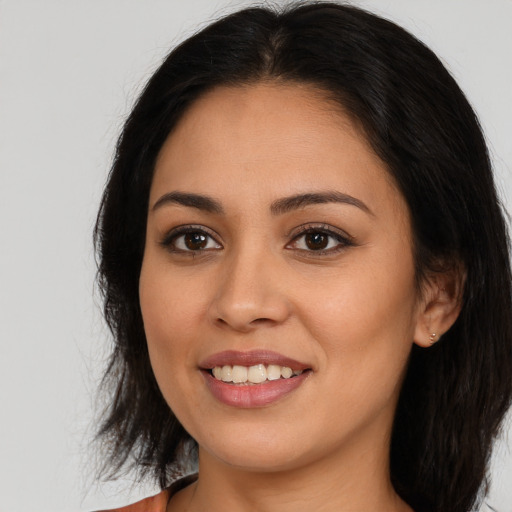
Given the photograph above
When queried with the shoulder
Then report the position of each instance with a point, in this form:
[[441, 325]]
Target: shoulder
[[156, 503], [159, 502]]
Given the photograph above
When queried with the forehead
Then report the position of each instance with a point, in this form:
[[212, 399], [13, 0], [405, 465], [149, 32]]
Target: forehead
[[269, 139]]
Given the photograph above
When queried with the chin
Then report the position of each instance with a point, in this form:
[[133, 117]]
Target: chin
[[258, 461], [259, 449]]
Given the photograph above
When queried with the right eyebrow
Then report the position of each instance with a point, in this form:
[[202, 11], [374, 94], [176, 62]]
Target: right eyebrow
[[198, 201]]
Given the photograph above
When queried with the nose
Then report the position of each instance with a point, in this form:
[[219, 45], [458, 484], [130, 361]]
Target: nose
[[250, 293]]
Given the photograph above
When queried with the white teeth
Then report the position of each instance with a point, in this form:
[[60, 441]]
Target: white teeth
[[226, 375], [257, 374], [286, 372], [239, 374], [273, 372], [254, 374]]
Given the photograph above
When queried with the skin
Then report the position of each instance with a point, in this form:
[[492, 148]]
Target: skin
[[351, 312]]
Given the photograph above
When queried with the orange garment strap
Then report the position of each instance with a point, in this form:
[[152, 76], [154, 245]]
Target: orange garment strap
[[156, 503]]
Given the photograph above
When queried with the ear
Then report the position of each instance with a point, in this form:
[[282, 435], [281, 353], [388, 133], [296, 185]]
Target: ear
[[440, 306]]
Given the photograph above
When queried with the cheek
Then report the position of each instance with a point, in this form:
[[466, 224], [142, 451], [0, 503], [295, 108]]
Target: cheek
[[168, 317], [364, 320], [363, 298], [169, 307]]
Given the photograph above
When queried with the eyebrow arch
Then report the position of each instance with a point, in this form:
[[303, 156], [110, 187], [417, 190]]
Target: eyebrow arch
[[198, 201], [298, 201], [279, 207]]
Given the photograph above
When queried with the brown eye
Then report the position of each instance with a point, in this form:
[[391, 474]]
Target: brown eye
[[195, 241], [316, 241], [187, 239], [322, 240]]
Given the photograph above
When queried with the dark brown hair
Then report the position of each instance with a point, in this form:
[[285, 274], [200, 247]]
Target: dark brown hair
[[419, 123]]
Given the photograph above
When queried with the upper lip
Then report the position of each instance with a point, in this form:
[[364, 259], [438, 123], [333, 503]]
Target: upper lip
[[250, 358]]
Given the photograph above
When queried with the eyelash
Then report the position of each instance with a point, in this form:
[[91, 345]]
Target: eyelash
[[170, 240], [343, 239]]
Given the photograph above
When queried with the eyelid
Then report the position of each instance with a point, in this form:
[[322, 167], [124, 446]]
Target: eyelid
[[345, 240], [183, 229], [320, 226]]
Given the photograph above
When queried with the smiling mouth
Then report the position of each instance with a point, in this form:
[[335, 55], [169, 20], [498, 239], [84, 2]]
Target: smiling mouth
[[253, 378], [255, 374]]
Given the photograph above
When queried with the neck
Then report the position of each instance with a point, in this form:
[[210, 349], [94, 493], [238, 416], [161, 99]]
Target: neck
[[355, 478]]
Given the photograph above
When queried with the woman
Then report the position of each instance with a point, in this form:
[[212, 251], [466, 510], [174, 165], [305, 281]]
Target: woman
[[306, 271]]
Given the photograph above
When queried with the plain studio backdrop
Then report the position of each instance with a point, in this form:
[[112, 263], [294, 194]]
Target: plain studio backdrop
[[69, 72]]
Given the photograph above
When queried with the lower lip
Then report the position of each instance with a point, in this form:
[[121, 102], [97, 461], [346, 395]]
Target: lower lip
[[252, 395]]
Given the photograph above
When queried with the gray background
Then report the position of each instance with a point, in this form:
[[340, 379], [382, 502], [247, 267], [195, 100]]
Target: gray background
[[69, 71]]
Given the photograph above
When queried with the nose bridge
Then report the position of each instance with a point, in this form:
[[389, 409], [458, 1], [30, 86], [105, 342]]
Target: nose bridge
[[249, 290]]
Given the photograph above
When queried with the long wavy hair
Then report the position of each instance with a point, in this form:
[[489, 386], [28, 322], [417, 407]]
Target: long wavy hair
[[420, 124]]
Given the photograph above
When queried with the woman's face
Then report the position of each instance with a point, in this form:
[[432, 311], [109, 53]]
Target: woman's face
[[276, 244]]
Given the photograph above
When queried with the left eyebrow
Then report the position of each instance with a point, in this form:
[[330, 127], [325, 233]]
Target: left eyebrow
[[287, 204]]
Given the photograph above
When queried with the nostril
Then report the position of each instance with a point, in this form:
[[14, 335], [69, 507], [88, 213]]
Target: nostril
[[246, 313], [244, 326], [261, 321]]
